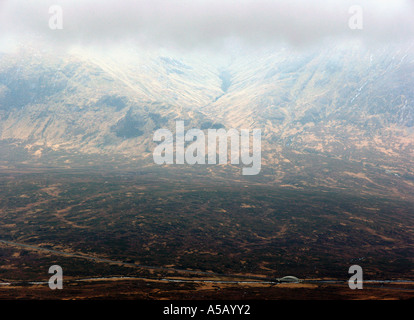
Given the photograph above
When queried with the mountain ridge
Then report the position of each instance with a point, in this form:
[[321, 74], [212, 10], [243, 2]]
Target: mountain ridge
[[352, 104]]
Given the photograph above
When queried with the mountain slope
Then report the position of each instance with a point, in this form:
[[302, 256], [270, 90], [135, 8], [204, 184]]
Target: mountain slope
[[343, 110]]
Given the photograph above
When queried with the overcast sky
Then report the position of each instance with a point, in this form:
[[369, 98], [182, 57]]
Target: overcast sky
[[194, 23]]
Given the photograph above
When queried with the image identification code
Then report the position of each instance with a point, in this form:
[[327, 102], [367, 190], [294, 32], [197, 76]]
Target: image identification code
[[216, 309]]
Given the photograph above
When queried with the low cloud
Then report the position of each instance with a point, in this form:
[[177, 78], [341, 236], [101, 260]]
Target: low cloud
[[195, 23]]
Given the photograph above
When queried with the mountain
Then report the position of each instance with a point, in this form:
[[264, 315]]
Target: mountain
[[333, 116]]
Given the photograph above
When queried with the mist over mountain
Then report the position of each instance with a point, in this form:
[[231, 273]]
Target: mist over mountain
[[103, 84]]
